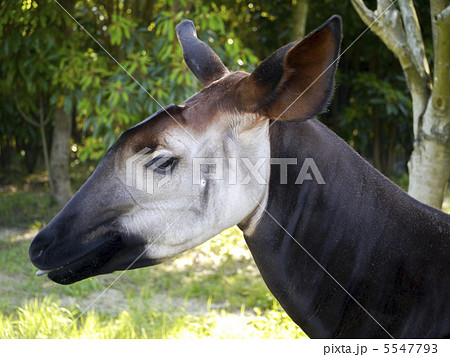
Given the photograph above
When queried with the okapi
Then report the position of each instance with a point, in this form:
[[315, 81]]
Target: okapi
[[354, 257]]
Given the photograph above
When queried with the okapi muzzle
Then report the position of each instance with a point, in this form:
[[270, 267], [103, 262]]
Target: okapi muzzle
[[346, 255]]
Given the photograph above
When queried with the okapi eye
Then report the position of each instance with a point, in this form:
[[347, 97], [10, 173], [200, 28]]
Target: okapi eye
[[162, 164]]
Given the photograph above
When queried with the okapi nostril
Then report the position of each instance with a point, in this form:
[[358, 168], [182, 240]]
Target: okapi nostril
[[39, 245]]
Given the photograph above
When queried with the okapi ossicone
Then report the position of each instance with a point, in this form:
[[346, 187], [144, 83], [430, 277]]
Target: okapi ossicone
[[354, 257]]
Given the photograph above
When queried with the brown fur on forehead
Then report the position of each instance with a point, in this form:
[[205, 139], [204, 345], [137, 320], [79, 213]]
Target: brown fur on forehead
[[150, 132], [195, 115], [213, 102]]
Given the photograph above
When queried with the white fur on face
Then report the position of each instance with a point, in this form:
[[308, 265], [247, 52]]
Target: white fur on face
[[194, 203]]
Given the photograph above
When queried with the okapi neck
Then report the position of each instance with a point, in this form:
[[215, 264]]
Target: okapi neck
[[320, 247]]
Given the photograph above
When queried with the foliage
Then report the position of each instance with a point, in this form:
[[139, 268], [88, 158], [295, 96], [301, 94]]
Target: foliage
[[381, 125], [30, 40], [77, 73], [42, 62], [371, 98], [114, 100]]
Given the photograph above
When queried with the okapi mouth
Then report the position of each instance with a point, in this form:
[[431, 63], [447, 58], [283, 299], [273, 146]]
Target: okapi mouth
[[88, 265]]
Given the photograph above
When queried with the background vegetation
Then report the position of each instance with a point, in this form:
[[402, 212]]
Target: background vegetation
[[56, 82]]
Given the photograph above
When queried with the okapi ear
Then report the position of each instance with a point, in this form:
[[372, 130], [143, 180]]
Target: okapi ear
[[296, 82], [199, 57]]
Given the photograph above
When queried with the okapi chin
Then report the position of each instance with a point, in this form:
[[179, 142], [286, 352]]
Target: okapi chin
[[350, 256]]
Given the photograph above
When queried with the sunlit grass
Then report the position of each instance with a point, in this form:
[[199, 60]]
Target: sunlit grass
[[46, 319]]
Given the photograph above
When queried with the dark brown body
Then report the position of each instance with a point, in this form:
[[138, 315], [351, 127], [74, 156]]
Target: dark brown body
[[389, 251]]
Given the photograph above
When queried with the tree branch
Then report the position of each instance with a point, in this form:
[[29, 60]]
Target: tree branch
[[41, 126], [443, 18], [388, 26], [382, 5], [41, 111], [49, 116], [24, 115], [414, 37], [364, 13], [43, 121], [300, 15], [389, 29], [441, 41]]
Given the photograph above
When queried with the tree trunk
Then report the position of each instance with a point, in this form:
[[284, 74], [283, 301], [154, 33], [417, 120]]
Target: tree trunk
[[429, 171], [147, 13], [300, 17], [45, 152], [399, 29], [62, 131], [60, 155], [429, 165]]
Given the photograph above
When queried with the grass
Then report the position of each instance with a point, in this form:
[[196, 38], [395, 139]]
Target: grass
[[23, 209], [46, 318]]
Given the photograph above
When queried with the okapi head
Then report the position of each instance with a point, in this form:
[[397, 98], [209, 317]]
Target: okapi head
[[157, 191]]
